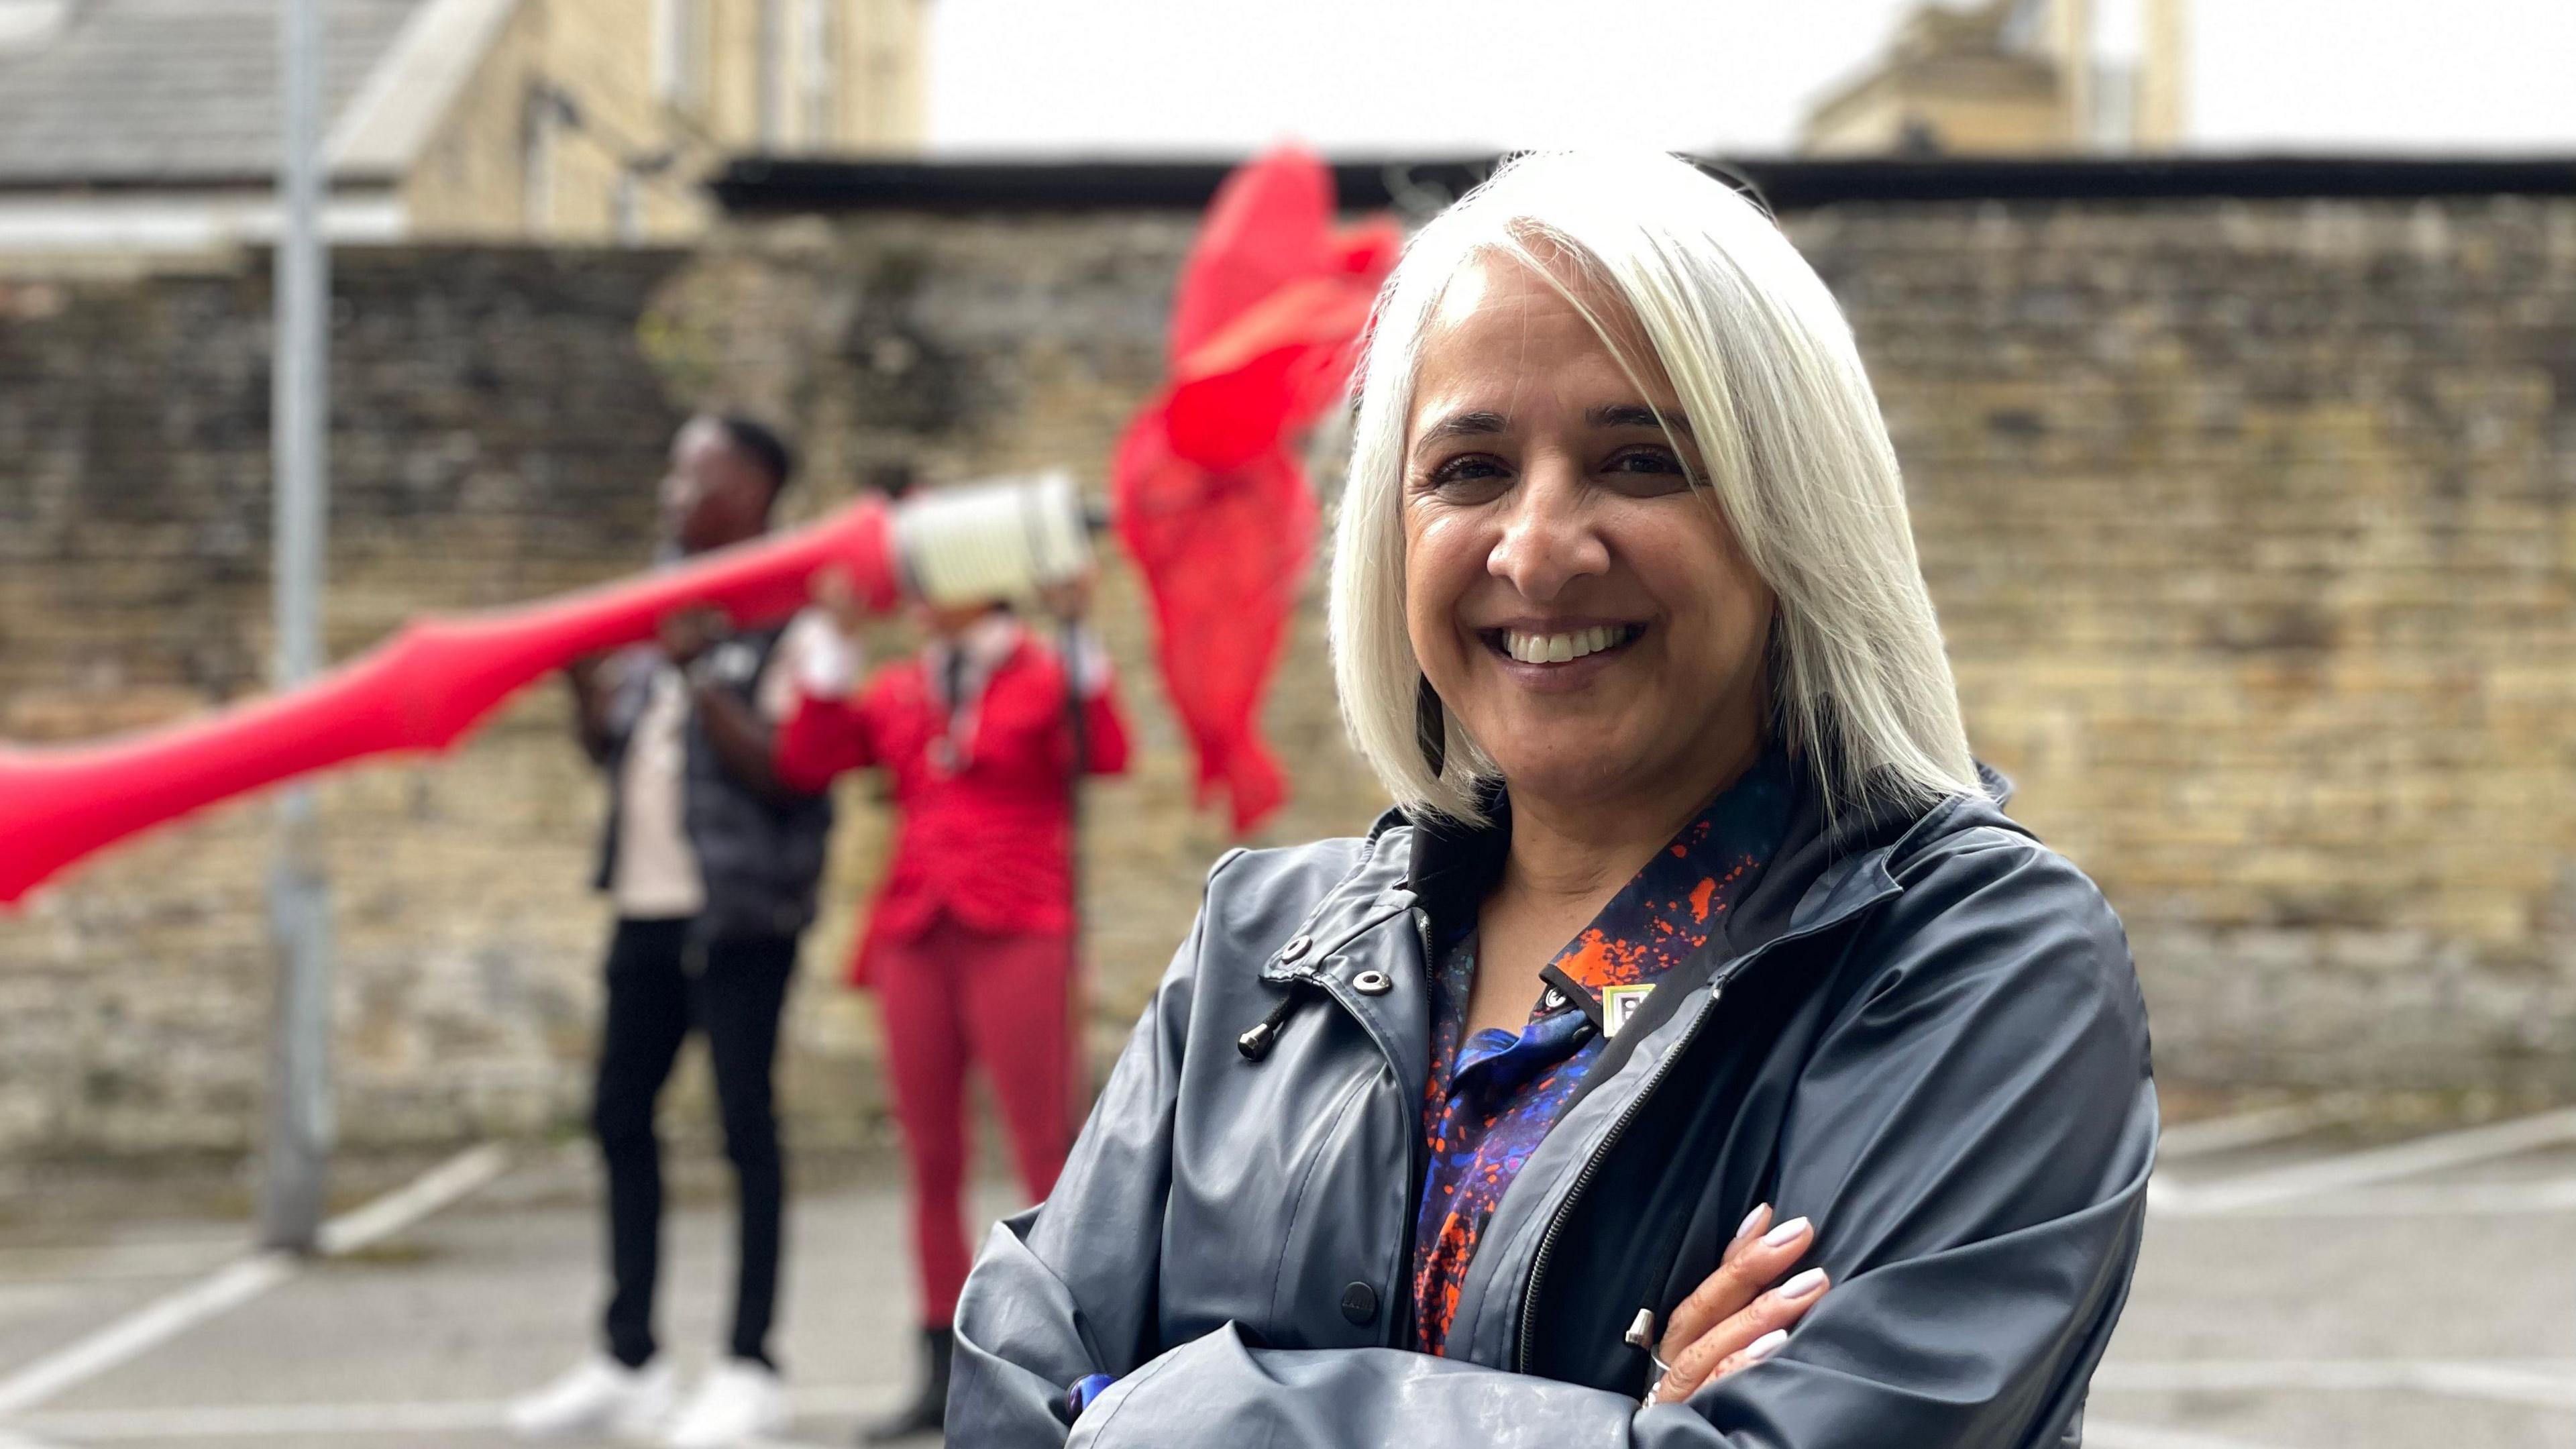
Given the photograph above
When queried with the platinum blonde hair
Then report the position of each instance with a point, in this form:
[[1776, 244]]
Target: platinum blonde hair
[[1786, 424]]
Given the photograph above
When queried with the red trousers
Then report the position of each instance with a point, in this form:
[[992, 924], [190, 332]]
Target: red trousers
[[952, 995]]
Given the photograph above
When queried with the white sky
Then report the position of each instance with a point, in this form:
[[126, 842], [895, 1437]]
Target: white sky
[[1426, 76]]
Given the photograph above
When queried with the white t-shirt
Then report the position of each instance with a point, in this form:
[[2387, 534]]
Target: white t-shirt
[[657, 877]]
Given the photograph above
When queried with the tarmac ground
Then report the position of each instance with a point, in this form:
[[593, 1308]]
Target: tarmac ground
[[2308, 1282]]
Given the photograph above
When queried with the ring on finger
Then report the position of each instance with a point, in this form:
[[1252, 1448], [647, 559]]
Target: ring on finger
[[1663, 1371]]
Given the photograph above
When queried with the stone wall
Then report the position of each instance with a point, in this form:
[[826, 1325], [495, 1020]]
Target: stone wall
[[2253, 529], [2250, 525]]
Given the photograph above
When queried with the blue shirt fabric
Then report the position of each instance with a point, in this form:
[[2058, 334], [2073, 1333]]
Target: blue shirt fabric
[[1492, 1097]]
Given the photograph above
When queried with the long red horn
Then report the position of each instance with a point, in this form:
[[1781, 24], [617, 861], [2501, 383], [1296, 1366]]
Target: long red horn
[[421, 690]]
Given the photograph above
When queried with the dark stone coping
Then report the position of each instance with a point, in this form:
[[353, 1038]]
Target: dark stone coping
[[755, 185]]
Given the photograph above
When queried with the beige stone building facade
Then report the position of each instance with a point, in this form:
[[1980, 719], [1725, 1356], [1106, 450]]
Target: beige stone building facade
[[139, 128], [2014, 78]]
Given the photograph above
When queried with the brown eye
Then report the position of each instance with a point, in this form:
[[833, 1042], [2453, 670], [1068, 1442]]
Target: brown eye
[[1471, 475], [1646, 471]]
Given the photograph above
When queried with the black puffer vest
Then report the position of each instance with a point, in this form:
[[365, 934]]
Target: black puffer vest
[[759, 860]]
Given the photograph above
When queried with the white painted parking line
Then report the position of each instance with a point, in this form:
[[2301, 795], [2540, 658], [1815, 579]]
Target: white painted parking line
[[2360, 1169], [249, 1421], [2247, 1129], [2099, 1434], [137, 1332], [2554, 1196], [2530, 1383], [167, 1317], [446, 1183]]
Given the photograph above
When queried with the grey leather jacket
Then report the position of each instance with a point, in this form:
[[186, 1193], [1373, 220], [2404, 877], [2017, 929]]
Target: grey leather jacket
[[1922, 1030]]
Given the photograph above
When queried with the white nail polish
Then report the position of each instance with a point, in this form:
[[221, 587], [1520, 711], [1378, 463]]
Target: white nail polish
[[1802, 1285], [1785, 1233], [1765, 1346], [1746, 1226]]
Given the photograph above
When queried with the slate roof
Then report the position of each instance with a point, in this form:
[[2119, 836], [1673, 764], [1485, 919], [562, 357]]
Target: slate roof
[[169, 92]]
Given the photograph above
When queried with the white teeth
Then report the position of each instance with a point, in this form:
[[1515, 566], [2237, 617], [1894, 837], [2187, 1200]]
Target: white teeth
[[1561, 648]]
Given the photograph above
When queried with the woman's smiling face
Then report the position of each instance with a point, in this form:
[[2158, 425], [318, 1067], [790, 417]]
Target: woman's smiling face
[[1576, 600]]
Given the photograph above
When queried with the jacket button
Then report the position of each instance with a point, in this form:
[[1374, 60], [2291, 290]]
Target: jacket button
[[1296, 948], [1359, 1304], [1372, 983]]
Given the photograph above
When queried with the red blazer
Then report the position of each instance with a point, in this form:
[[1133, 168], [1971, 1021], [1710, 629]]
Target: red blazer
[[989, 842]]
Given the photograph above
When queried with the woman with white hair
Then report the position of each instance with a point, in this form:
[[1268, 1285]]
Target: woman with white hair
[[1697, 1055]]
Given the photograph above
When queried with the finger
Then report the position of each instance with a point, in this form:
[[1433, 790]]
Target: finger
[[1753, 1353], [839, 595], [1701, 1311], [1752, 1263], [1725, 1348], [1774, 1312]]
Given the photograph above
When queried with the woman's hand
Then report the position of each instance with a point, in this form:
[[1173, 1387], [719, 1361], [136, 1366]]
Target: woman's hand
[[1729, 1322], [838, 597], [687, 633], [1069, 600]]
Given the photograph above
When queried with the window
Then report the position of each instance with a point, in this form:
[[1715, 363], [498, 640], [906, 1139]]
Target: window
[[541, 130], [818, 38], [769, 75], [626, 207], [683, 39]]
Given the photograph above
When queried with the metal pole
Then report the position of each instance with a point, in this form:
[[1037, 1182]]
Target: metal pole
[[299, 1110]]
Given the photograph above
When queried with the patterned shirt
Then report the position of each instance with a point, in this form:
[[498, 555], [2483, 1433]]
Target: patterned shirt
[[1492, 1097]]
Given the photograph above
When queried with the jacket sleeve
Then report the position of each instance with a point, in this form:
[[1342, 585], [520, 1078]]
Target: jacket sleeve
[[819, 739], [1068, 1288], [1972, 1138], [1104, 732]]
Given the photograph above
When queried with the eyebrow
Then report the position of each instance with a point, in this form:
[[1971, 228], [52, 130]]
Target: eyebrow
[[1478, 423], [1633, 415], [1484, 422]]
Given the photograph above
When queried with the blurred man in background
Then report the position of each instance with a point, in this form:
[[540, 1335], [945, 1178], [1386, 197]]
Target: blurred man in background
[[970, 944], [711, 862]]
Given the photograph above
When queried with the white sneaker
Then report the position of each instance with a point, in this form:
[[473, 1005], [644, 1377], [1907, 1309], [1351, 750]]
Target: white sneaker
[[599, 1395], [741, 1401]]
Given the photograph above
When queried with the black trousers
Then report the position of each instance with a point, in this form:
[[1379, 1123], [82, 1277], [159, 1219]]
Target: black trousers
[[660, 984]]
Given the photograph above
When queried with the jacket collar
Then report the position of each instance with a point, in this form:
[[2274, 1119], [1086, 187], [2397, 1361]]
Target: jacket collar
[[1819, 876], [1375, 890]]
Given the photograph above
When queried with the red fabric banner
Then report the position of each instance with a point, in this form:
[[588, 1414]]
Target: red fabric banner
[[1211, 502]]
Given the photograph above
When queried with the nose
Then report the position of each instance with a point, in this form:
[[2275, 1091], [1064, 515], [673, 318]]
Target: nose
[[1549, 538]]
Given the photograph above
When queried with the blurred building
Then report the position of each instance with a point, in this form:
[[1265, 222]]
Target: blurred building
[[2015, 77], [143, 126]]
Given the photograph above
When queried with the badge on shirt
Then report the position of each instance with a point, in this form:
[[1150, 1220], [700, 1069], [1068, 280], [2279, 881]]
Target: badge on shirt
[[1618, 1003]]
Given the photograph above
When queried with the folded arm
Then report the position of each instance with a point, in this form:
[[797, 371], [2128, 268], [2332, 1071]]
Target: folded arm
[[1972, 1140]]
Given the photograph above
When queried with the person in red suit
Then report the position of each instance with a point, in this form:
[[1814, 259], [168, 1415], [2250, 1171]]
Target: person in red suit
[[970, 944]]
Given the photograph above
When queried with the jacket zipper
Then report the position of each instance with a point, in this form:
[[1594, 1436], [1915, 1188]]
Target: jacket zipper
[[1592, 1169], [1402, 1336], [1601, 1150]]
